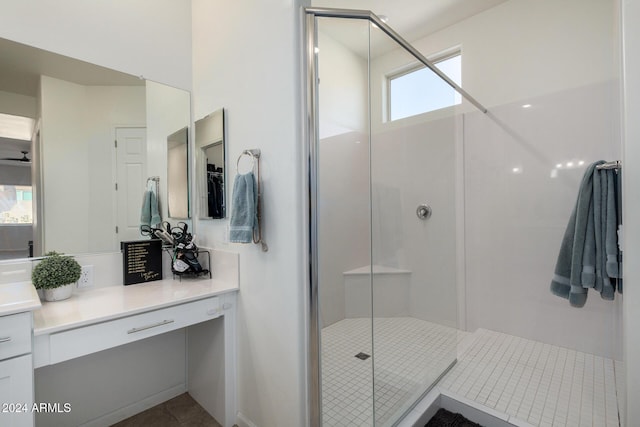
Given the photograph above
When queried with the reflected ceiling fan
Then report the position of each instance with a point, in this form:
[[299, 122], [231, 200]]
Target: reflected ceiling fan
[[24, 158]]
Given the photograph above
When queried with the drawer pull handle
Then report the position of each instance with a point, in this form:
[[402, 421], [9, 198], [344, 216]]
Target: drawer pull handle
[[212, 311], [144, 328], [5, 339]]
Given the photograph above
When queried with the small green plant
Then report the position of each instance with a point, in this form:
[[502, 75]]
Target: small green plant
[[55, 270]]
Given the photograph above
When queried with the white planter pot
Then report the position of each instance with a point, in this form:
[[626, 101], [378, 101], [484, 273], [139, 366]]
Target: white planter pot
[[58, 294]]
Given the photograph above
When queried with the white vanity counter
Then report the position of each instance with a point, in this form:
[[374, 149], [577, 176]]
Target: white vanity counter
[[97, 305], [18, 297], [104, 318]]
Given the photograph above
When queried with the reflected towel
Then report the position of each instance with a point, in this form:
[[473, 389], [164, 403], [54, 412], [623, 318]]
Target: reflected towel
[[150, 211], [155, 209], [145, 211], [244, 217]]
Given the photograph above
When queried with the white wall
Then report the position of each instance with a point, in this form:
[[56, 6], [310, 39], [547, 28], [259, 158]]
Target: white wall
[[65, 150], [246, 60], [344, 225], [105, 108], [342, 102], [77, 152], [412, 165], [150, 38], [631, 200], [18, 105], [343, 180], [520, 48]]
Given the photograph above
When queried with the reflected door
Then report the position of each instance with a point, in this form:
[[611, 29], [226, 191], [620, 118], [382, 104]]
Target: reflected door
[[131, 150]]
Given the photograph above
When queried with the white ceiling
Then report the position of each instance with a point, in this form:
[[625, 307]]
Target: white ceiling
[[20, 70], [414, 19], [22, 65], [411, 19]]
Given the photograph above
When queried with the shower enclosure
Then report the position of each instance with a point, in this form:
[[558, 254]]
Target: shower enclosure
[[385, 215]]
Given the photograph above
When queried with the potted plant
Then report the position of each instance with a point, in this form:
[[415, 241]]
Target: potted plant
[[55, 275]]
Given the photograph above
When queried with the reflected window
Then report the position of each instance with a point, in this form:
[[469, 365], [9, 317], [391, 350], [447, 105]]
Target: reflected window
[[15, 204], [419, 90]]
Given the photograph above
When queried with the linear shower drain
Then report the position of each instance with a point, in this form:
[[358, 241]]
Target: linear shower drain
[[362, 356]]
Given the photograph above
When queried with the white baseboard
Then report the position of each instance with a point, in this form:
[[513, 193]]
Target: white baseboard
[[137, 407], [244, 421]]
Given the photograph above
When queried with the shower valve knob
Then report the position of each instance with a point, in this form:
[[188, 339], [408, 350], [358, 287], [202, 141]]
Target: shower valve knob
[[424, 212]]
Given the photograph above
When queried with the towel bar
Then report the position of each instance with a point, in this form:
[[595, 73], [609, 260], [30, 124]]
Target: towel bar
[[617, 164]]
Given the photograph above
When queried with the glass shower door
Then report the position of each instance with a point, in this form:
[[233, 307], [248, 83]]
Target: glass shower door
[[386, 270], [343, 223], [413, 218]]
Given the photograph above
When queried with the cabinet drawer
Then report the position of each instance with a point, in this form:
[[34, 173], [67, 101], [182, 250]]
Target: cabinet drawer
[[92, 338], [15, 335]]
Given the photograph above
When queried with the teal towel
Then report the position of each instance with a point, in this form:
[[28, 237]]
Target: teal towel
[[145, 211], [611, 232], [567, 278], [155, 210], [150, 212], [244, 216]]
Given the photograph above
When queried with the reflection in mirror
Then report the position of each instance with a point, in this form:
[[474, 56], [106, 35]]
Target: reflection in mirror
[[96, 135], [210, 167], [178, 174]]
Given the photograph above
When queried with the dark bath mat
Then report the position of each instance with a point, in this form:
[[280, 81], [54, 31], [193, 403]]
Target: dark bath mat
[[444, 418]]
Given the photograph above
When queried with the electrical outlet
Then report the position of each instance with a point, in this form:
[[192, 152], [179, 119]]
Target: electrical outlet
[[86, 277]]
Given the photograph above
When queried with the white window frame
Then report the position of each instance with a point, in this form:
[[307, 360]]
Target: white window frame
[[415, 66]]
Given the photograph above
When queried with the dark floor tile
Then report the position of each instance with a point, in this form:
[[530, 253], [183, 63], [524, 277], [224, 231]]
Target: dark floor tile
[[181, 411], [157, 416], [186, 410]]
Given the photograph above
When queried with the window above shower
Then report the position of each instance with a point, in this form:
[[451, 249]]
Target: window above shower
[[417, 90]]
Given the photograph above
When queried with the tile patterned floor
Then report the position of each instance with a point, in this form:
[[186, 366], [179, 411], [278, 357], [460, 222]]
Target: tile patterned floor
[[410, 354], [541, 384]]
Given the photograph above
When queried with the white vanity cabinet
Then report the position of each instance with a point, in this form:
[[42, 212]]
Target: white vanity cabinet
[[16, 371]]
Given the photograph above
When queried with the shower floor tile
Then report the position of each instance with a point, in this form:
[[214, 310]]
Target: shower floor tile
[[542, 384], [410, 354]]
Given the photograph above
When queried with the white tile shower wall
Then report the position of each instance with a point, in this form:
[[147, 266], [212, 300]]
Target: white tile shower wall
[[508, 62], [343, 217], [413, 165], [343, 195], [523, 167]]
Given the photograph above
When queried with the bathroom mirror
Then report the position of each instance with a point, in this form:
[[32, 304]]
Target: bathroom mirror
[[97, 135], [211, 165], [178, 174]]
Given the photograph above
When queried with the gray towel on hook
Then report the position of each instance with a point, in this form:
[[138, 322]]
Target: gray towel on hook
[[567, 278], [611, 232], [605, 219], [244, 216]]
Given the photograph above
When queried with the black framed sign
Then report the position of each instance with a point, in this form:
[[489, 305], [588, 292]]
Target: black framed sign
[[141, 261]]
